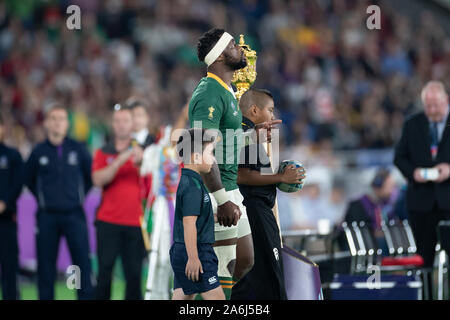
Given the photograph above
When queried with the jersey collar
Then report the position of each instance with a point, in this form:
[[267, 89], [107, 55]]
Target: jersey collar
[[221, 82], [247, 123], [192, 173]]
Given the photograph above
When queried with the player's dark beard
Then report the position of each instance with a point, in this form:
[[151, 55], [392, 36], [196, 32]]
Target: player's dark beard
[[235, 65]]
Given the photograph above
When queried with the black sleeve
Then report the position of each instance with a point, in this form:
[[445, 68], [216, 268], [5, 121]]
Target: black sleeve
[[86, 166], [402, 157], [30, 172], [16, 187]]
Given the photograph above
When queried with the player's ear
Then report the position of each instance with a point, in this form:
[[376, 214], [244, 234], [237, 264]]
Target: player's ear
[[254, 109]]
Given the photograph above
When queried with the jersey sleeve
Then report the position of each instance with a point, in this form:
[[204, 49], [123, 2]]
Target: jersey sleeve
[[86, 165], [30, 174], [99, 161], [192, 200], [207, 111], [16, 188]]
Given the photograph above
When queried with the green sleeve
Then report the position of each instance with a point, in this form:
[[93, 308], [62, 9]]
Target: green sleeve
[[209, 112]]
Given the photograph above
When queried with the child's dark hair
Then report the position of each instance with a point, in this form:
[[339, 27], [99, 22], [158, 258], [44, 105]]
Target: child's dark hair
[[207, 42], [193, 136]]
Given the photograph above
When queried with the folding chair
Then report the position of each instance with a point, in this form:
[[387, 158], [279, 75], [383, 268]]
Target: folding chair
[[443, 233], [366, 254], [373, 252], [401, 245], [357, 253]]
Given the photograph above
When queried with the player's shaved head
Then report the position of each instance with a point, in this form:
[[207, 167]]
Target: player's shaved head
[[257, 97]]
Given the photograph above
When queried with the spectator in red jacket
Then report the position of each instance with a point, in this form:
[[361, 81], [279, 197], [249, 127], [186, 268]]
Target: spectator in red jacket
[[116, 170]]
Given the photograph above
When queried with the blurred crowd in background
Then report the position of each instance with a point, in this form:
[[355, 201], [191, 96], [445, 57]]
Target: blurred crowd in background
[[338, 86]]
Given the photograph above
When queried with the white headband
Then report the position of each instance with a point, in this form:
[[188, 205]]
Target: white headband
[[218, 48]]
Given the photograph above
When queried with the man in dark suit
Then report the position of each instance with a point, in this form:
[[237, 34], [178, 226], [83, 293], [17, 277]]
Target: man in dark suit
[[425, 144]]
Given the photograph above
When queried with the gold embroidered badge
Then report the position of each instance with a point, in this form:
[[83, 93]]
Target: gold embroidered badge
[[211, 110]]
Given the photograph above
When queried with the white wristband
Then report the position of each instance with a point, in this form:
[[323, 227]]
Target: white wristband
[[221, 196]]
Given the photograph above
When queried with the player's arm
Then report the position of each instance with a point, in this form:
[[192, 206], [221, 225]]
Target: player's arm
[[180, 123], [15, 188], [104, 176], [252, 177], [86, 165], [193, 266], [207, 114], [30, 173]]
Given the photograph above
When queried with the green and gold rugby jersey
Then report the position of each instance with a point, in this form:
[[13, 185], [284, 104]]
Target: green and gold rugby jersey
[[216, 107]]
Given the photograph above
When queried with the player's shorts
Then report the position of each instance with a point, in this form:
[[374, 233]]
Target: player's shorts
[[265, 281], [208, 280], [242, 228]]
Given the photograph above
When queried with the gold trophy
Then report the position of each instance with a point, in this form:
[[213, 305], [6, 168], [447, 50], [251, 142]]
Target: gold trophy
[[245, 77]]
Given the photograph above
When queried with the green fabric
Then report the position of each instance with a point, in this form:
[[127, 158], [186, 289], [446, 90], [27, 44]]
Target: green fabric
[[216, 108], [148, 213]]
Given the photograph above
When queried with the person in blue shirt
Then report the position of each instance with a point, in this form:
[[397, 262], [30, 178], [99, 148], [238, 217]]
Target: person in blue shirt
[[58, 173], [192, 256], [11, 181]]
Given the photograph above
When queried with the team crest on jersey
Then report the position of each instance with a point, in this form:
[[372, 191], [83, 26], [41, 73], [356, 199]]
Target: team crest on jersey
[[206, 198], [4, 162], [72, 159], [211, 110], [43, 161]]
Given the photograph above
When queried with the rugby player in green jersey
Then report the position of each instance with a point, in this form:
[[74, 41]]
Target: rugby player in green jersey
[[213, 105]]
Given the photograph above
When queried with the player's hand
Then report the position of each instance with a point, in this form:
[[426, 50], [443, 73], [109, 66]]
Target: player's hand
[[2, 206], [418, 177], [193, 269], [228, 214], [264, 130], [292, 174], [444, 172]]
